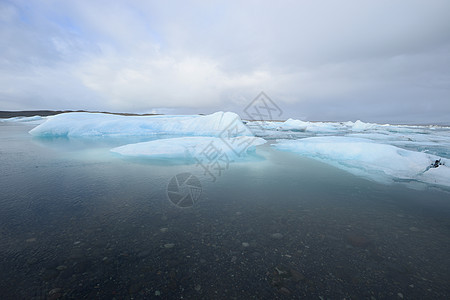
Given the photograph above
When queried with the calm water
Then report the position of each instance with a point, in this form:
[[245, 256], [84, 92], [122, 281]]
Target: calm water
[[77, 222]]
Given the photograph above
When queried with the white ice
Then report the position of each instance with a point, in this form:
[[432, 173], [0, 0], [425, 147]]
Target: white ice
[[329, 127], [432, 139], [192, 147], [29, 120], [382, 152], [367, 158], [292, 125], [98, 124]]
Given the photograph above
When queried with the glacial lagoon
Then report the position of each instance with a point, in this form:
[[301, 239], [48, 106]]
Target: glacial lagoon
[[81, 222]]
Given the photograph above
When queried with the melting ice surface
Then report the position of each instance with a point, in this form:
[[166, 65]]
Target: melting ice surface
[[289, 125], [190, 147], [370, 159], [380, 152], [30, 120], [99, 124], [430, 139]]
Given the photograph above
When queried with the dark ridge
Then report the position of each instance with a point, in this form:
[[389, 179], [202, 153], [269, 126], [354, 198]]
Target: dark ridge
[[29, 113], [44, 113]]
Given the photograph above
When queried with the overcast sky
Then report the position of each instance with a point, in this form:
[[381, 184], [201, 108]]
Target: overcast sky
[[381, 60]]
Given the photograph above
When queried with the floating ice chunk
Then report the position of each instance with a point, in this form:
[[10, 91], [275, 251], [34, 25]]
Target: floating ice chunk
[[264, 125], [437, 142], [289, 125], [324, 127], [33, 119], [430, 139], [192, 147], [294, 125], [370, 159], [342, 127], [99, 124], [360, 126]]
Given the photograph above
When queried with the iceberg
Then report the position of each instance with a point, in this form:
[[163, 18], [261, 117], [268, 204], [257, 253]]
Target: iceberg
[[435, 141], [421, 138], [360, 126], [79, 124], [192, 147], [289, 125], [294, 125], [377, 161], [382, 152], [264, 125], [324, 127], [33, 119], [340, 128]]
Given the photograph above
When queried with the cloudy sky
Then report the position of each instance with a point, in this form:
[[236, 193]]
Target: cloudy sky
[[381, 60]]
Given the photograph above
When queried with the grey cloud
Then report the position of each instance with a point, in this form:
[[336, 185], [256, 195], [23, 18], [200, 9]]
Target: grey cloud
[[385, 61]]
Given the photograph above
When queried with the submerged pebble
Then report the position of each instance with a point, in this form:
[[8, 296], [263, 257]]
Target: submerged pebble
[[277, 236], [169, 245]]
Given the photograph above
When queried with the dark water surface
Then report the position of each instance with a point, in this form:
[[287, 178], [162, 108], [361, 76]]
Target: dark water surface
[[77, 222]]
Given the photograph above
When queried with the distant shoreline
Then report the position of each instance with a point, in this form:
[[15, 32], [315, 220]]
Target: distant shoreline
[[45, 113]]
